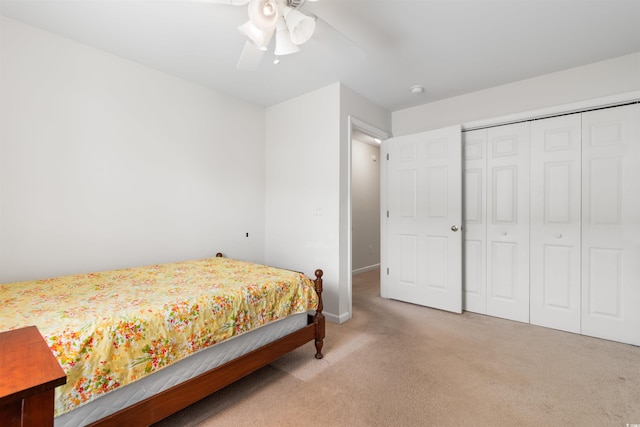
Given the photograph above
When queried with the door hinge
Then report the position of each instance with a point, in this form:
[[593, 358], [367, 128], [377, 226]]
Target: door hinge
[[387, 214], [387, 271], [387, 156]]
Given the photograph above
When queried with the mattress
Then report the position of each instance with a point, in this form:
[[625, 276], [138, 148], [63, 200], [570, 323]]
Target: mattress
[[179, 372], [113, 328]]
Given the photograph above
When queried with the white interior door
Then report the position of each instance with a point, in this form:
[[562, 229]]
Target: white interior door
[[555, 222], [508, 222], [424, 202], [474, 217], [611, 224]]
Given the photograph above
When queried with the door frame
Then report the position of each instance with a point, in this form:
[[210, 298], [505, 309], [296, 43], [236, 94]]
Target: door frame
[[354, 124]]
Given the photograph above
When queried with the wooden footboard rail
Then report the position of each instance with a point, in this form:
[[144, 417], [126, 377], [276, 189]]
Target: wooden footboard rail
[[318, 318], [184, 394]]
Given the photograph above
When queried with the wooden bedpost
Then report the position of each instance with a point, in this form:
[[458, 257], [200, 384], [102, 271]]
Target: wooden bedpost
[[318, 319]]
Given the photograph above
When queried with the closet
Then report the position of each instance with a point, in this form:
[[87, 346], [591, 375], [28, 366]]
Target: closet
[[552, 222]]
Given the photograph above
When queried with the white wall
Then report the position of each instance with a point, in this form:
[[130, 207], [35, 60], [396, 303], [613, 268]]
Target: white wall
[[307, 177], [1, 145], [106, 163], [302, 187], [611, 77], [365, 205]]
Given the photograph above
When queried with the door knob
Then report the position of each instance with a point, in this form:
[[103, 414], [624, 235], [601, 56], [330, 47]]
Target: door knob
[[454, 228]]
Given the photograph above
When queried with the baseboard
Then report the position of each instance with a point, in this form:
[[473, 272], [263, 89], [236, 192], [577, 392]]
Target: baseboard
[[365, 269], [334, 318]]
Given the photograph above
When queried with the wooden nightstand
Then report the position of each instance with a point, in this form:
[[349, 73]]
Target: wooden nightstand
[[28, 376]]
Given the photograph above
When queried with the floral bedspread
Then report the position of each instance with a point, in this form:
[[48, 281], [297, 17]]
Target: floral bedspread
[[110, 328]]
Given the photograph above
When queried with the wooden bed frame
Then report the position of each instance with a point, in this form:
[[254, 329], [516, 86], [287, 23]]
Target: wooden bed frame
[[168, 402]]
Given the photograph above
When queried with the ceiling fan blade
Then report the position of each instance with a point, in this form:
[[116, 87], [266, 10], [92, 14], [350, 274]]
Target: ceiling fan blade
[[250, 57], [332, 38]]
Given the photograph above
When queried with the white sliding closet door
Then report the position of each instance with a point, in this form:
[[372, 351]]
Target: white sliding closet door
[[611, 224], [555, 222], [508, 222], [475, 221]]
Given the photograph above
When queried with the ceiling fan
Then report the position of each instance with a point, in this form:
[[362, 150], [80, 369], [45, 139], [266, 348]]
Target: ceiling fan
[[280, 18]]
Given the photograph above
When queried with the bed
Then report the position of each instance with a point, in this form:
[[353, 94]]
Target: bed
[[137, 345]]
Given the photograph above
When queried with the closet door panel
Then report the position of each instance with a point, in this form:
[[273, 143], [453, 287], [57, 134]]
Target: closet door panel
[[508, 222], [474, 220], [555, 222], [611, 224]]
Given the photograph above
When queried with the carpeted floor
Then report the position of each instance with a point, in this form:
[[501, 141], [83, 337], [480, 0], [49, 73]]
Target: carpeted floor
[[397, 364]]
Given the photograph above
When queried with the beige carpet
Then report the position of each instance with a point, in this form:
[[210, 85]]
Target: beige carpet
[[396, 364]]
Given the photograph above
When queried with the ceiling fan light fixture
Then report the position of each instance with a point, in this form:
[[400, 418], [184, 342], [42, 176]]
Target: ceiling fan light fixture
[[301, 26], [284, 44], [264, 14], [257, 36], [279, 17]]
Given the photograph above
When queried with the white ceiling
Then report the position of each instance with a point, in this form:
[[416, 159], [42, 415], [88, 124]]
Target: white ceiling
[[378, 48]]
